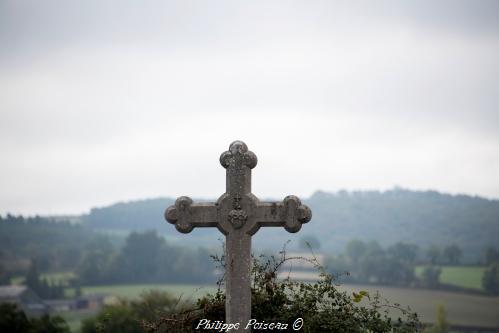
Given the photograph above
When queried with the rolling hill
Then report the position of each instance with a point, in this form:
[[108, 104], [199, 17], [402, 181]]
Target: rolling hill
[[420, 217]]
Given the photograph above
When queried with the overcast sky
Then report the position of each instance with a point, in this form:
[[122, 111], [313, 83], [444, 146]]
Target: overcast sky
[[103, 101]]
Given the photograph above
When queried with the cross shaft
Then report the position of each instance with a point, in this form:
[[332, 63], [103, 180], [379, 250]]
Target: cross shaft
[[238, 214]]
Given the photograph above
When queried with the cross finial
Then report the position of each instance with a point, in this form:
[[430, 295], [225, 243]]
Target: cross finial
[[238, 161]]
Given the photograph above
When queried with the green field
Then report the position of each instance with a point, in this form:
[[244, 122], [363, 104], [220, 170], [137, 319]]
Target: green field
[[56, 277], [461, 309], [59, 277], [187, 292], [461, 276]]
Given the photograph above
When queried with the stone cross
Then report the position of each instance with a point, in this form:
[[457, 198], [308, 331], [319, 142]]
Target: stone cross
[[238, 214]]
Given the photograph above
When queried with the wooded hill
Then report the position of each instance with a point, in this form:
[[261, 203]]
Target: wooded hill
[[419, 217]]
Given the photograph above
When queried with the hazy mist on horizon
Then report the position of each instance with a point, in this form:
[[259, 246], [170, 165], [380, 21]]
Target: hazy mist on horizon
[[105, 101]]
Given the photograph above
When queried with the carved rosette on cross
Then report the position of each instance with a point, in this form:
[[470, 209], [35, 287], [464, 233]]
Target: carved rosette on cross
[[238, 214]]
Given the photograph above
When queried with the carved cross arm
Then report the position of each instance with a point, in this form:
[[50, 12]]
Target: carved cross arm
[[290, 214], [186, 215]]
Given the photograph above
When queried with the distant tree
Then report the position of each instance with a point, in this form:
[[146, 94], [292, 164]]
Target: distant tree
[[75, 283], [4, 275], [309, 241], [373, 264], [141, 253], [78, 291], [118, 318], [154, 303], [491, 255], [398, 272], [338, 266], [403, 251], [433, 254], [32, 278], [126, 316], [94, 266], [371, 269], [441, 325], [56, 289], [92, 269], [144, 258], [369, 262], [453, 254], [355, 250], [190, 266], [43, 261], [55, 245], [41, 286], [490, 279], [13, 319], [431, 276], [49, 324]]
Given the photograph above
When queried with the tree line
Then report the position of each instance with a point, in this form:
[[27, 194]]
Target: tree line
[[424, 217], [32, 246], [320, 305], [369, 262], [144, 258], [55, 246]]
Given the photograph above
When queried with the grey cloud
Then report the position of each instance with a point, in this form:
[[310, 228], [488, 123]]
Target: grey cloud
[[93, 93], [30, 27]]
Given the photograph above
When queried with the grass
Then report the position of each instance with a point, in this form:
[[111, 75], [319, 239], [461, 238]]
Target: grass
[[17, 280], [461, 309], [56, 277], [188, 292], [461, 276]]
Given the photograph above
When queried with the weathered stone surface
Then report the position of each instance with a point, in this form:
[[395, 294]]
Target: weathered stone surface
[[238, 214]]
